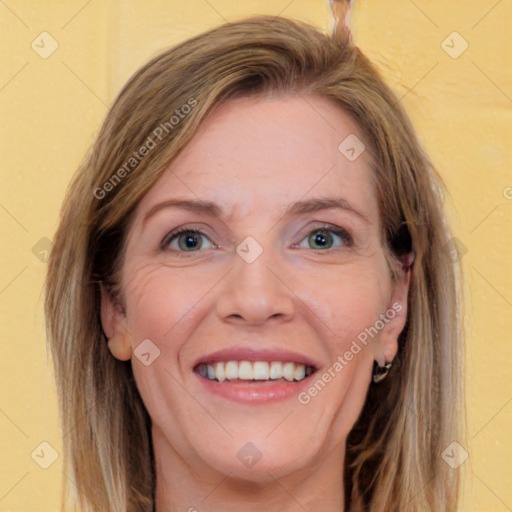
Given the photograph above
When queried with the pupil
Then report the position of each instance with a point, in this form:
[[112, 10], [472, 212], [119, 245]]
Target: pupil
[[190, 241], [320, 238]]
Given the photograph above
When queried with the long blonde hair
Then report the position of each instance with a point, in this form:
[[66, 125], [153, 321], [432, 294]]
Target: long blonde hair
[[393, 457]]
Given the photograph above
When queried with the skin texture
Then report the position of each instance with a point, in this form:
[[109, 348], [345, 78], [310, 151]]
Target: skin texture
[[254, 157]]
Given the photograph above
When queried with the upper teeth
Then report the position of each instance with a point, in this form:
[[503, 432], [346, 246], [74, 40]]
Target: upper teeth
[[254, 370]]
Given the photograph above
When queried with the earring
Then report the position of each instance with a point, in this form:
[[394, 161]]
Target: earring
[[381, 372], [120, 346]]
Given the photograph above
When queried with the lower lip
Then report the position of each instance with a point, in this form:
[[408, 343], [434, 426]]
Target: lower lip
[[254, 393]]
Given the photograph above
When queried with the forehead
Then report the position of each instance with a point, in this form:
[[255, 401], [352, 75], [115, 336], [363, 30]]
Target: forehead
[[256, 156]]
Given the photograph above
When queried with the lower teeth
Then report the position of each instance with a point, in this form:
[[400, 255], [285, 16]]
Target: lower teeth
[[255, 381]]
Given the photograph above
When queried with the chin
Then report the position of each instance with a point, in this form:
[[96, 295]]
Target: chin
[[260, 460]]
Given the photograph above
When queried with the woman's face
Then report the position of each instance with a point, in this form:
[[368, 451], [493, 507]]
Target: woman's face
[[283, 264]]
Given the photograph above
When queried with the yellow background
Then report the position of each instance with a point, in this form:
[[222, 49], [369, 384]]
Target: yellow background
[[51, 109]]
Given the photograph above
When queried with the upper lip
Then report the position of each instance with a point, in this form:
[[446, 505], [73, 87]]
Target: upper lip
[[257, 354]]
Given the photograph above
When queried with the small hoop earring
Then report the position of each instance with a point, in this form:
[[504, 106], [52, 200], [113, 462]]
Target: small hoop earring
[[381, 372]]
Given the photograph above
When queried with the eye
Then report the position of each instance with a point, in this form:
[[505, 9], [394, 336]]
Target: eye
[[185, 240], [322, 237], [190, 240]]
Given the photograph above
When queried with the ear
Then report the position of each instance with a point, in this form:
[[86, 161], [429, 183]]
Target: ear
[[396, 315], [114, 326], [111, 314]]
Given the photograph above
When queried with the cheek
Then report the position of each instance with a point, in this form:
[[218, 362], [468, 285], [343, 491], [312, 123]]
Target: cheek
[[163, 305], [351, 298], [159, 298]]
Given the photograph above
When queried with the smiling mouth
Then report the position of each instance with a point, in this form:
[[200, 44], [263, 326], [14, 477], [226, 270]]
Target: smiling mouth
[[254, 371]]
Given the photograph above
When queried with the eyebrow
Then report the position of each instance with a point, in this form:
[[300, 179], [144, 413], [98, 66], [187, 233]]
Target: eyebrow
[[212, 209]]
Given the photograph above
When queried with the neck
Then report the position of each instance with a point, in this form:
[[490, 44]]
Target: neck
[[185, 487]]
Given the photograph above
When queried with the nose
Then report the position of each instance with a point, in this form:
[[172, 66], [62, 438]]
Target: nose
[[255, 292]]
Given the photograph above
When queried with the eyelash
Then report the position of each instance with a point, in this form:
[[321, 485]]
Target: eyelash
[[338, 231]]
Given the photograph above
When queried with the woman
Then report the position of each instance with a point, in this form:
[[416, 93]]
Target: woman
[[250, 301]]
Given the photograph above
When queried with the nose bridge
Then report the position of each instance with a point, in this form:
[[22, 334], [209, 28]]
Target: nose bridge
[[253, 290]]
